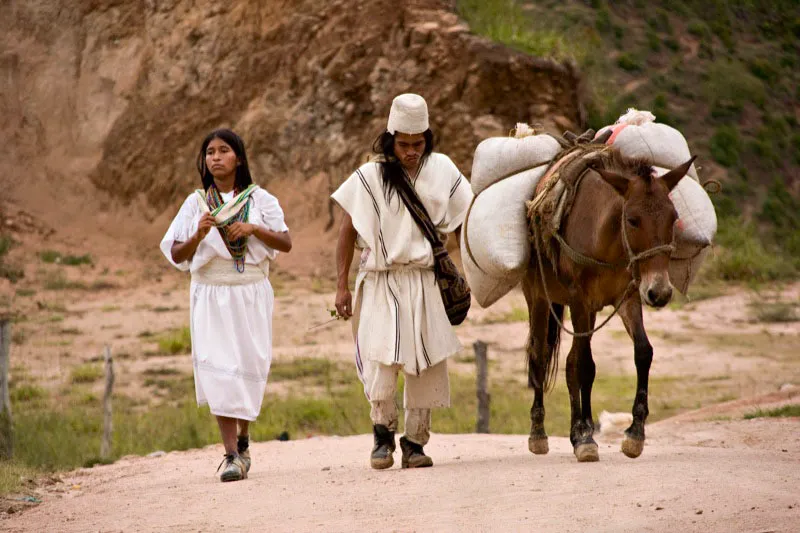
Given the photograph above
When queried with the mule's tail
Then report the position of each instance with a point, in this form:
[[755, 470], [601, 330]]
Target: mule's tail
[[549, 366]]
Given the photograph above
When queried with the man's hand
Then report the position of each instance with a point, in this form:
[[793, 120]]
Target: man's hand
[[344, 303]]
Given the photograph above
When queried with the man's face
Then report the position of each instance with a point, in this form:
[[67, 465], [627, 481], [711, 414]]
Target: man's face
[[409, 149]]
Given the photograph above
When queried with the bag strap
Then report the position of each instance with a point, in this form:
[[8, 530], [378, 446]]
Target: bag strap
[[418, 212]]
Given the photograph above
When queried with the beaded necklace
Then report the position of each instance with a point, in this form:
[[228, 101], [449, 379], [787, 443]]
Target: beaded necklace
[[237, 247]]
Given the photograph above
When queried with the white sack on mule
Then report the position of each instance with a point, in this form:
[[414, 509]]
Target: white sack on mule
[[495, 238], [636, 135], [694, 230], [662, 145], [697, 220], [499, 157], [485, 289]]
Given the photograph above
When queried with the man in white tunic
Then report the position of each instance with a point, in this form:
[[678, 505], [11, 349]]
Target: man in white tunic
[[399, 320], [226, 235]]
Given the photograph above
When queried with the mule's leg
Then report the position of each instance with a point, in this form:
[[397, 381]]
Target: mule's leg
[[537, 368], [631, 314], [580, 377], [586, 375]]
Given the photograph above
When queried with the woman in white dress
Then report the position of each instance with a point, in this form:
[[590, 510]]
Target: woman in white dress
[[226, 235]]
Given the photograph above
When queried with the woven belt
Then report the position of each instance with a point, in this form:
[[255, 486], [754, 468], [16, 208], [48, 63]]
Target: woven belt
[[221, 271]]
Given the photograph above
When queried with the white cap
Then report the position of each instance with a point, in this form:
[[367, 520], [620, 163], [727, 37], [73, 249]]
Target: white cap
[[409, 114]]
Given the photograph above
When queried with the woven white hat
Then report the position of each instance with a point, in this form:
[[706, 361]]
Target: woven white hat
[[409, 114]]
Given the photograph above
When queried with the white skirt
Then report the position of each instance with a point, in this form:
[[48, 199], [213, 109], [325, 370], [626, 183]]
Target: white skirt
[[231, 328], [400, 320]]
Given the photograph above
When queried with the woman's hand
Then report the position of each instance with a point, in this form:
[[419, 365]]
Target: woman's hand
[[344, 303], [237, 230], [204, 226]]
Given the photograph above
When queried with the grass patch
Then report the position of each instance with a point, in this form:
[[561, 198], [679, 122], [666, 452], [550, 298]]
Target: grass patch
[[744, 256], [163, 371], [57, 281], [53, 257], [174, 342], [19, 336], [86, 373], [14, 475], [780, 412], [110, 308], [162, 309], [505, 21], [697, 293], [5, 245], [774, 312], [102, 285], [309, 371], [24, 293], [27, 393], [9, 272], [515, 314]]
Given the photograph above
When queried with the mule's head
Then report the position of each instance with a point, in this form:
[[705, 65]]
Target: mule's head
[[648, 217]]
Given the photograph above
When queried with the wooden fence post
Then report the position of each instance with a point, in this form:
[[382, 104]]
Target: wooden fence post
[[6, 421], [105, 446], [484, 397]]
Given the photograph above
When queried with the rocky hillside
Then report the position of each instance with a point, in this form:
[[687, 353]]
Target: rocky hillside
[[112, 98]]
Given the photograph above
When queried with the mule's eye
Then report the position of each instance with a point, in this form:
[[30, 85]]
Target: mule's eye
[[633, 222]]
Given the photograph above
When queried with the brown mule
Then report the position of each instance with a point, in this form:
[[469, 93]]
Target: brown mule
[[611, 248]]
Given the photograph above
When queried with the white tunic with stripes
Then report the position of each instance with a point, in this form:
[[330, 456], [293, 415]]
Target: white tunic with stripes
[[399, 317]]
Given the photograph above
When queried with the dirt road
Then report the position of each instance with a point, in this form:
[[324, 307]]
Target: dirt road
[[693, 476]]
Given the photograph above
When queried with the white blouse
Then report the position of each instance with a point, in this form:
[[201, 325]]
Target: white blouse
[[265, 211]]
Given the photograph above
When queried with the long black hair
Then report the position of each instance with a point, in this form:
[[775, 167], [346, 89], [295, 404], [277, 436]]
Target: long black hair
[[243, 178], [391, 169]]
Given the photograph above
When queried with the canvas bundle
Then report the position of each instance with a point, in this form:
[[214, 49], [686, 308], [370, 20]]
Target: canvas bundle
[[636, 135], [495, 249], [498, 158]]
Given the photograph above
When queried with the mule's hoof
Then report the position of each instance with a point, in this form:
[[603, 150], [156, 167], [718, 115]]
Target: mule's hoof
[[587, 453], [538, 446], [632, 447]]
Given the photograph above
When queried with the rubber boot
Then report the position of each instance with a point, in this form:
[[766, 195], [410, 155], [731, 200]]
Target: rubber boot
[[413, 455], [381, 456]]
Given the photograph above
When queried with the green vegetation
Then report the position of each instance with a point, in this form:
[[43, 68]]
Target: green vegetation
[[65, 432], [515, 314], [86, 373], [58, 281], [506, 22], [51, 256], [8, 271], [13, 476], [785, 411], [743, 256], [726, 73], [775, 311], [177, 341]]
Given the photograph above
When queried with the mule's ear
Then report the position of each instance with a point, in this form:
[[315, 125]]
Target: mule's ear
[[618, 181], [672, 177]]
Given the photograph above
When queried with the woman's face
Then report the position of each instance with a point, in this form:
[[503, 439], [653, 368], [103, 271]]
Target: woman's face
[[221, 160]]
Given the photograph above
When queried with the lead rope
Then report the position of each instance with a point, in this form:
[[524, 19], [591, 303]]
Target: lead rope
[[631, 285]]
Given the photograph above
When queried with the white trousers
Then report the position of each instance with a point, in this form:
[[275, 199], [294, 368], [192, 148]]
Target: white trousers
[[431, 388]]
